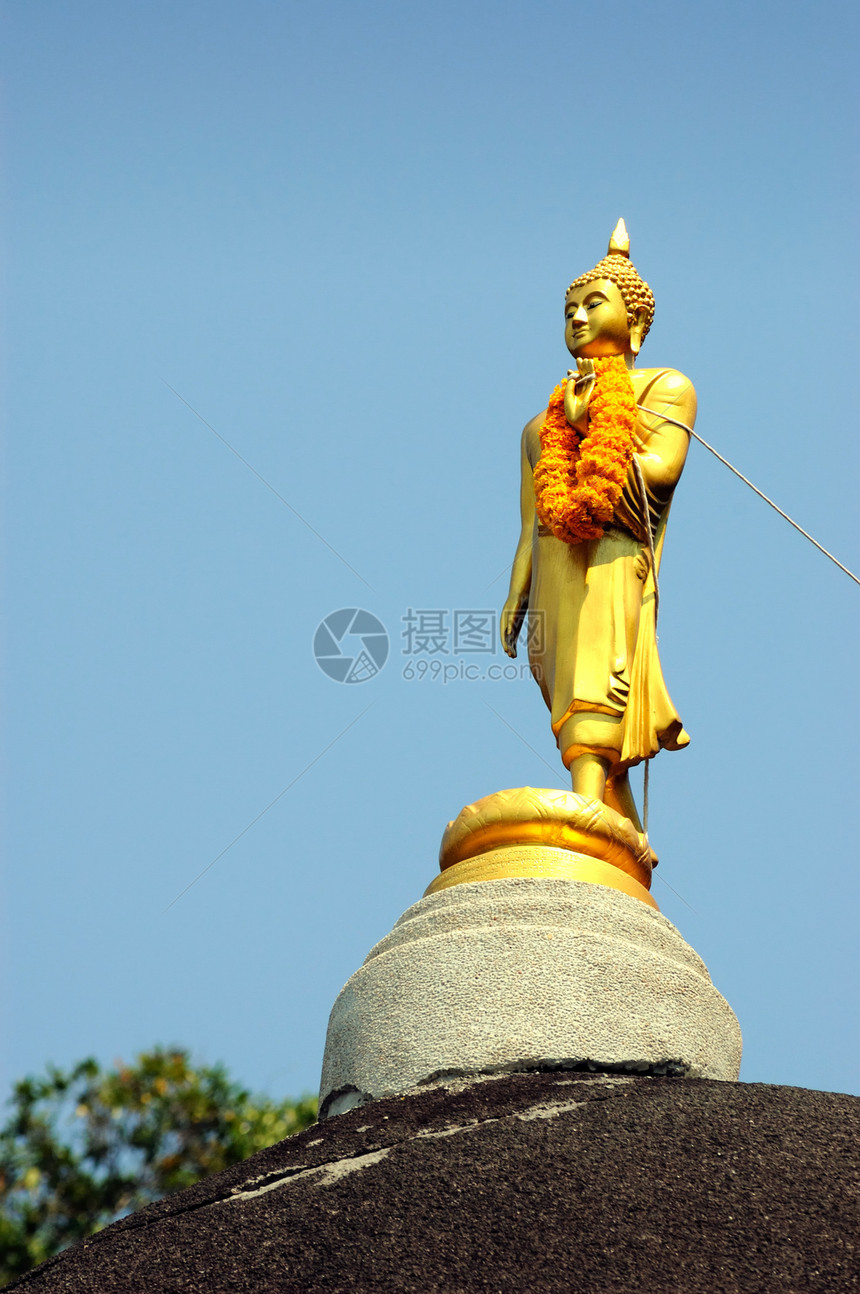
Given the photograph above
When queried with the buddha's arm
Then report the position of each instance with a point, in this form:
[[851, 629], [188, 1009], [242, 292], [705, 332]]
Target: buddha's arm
[[664, 448], [517, 602]]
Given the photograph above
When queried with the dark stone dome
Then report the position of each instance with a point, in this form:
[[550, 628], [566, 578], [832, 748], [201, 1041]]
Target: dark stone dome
[[604, 1183]]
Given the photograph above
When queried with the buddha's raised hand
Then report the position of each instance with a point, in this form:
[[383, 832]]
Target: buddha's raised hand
[[577, 392]]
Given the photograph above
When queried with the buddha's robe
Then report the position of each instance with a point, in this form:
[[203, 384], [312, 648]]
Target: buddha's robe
[[592, 626]]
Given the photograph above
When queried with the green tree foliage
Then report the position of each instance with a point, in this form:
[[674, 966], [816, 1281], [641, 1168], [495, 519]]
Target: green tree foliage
[[87, 1146]]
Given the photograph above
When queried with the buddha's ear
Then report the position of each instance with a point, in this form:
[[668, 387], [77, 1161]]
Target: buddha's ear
[[637, 328]]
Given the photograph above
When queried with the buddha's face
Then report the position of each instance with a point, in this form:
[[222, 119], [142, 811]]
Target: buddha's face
[[596, 321]]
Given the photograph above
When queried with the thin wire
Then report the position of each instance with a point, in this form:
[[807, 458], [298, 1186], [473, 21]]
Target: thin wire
[[270, 805], [646, 512], [522, 739], [645, 780], [260, 477], [677, 893], [754, 488], [503, 571]]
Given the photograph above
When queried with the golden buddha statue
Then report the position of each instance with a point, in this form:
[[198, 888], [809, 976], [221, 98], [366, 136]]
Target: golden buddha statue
[[599, 467]]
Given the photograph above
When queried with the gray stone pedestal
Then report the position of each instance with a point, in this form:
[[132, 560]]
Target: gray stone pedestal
[[519, 974]]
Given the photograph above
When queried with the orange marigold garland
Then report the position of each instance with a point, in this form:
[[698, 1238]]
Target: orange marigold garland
[[579, 478]]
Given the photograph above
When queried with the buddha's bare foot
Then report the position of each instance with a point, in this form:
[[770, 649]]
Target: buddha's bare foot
[[619, 796]]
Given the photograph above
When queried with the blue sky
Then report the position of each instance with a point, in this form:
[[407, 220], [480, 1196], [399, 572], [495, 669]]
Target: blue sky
[[342, 234]]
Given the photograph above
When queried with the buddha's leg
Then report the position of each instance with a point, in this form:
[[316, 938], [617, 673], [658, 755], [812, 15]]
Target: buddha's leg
[[590, 744], [619, 796], [588, 775]]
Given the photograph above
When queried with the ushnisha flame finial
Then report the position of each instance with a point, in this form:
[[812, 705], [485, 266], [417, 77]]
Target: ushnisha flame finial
[[619, 243]]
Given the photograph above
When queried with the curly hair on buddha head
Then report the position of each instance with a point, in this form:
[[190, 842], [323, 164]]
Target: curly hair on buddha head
[[618, 268]]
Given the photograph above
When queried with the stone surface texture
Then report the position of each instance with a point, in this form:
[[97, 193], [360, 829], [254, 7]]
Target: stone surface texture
[[520, 974], [550, 1183]]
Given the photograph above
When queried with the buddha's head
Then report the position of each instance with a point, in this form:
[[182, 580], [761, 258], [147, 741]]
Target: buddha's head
[[609, 310]]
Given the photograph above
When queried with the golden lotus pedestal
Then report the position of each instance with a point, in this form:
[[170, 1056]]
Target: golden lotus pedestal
[[532, 832]]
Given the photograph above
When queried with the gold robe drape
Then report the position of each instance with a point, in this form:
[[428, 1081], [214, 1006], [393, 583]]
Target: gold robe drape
[[592, 630]]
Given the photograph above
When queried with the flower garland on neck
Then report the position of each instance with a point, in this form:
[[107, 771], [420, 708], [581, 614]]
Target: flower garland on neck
[[579, 477]]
